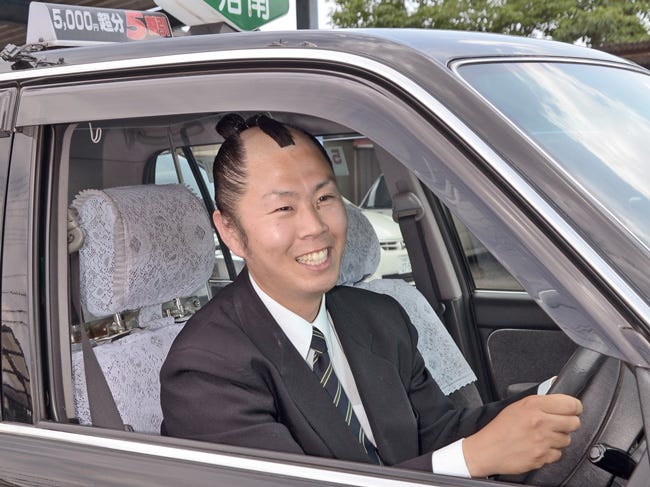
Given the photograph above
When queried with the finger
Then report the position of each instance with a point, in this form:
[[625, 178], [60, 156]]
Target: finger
[[558, 441], [563, 424], [550, 455], [561, 404], [553, 455]]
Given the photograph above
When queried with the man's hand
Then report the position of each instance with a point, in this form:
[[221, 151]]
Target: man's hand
[[524, 436]]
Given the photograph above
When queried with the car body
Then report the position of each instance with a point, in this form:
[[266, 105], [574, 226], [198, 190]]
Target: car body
[[394, 260], [448, 141]]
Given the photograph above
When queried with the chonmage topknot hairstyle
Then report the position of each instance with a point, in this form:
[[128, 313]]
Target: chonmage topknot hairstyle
[[233, 124], [229, 171]]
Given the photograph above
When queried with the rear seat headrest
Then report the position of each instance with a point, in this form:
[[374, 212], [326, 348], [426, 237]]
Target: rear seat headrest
[[143, 245]]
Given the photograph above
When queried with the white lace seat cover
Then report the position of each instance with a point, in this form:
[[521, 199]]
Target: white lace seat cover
[[143, 245], [442, 357], [362, 250], [131, 366]]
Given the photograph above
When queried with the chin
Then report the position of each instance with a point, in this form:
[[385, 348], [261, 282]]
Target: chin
[[330, 283], [324, 285]]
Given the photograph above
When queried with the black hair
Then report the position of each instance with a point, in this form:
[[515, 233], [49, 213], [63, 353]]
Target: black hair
[[229, 169]]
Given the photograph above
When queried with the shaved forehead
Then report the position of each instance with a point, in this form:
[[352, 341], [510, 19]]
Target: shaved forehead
[[256, 144]]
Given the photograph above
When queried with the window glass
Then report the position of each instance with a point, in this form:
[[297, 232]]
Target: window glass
[[166, 172], [378, 197], [594, 121], [486, 271]]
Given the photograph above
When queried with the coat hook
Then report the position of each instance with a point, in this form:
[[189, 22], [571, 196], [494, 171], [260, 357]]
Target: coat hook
[[95, 136]]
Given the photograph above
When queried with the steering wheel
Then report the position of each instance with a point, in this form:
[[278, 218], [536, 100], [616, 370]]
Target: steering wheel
[[578, 372], [591, 377]]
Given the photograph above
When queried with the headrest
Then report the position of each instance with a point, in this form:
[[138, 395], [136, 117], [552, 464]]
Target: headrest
[[143, 245], [362, 251]]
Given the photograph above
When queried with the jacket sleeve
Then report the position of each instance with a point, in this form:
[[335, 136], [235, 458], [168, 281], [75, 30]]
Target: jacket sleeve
[[205, 398], [440, 422]]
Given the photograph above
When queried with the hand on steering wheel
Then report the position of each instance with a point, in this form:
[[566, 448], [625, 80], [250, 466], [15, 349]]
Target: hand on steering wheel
[[574, 379]]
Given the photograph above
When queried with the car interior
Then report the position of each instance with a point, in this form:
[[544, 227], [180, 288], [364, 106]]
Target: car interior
[[133, 219]]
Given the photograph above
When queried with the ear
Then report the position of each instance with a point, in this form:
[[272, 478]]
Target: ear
[[229, 233]]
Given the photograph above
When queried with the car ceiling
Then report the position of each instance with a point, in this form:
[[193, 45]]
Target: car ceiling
[[201, 128]]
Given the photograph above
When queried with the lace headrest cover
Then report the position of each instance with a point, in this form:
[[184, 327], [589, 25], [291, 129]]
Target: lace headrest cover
[[143, 245], [362, 251]]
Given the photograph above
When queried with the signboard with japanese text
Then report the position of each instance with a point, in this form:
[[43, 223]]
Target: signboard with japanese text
[[240, 14], [71, 25]]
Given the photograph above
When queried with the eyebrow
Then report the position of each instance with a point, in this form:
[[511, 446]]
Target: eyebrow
[[294, 194]]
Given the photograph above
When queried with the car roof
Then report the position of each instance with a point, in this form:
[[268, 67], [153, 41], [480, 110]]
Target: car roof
[[447, 45], [381, 44]]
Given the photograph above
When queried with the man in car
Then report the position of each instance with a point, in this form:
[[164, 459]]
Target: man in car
[[282, 359]]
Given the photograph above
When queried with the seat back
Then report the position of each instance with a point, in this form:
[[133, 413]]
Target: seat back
[[143, 246], [441, 355]]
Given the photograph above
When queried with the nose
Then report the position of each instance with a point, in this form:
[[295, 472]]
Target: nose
[[312, 223]]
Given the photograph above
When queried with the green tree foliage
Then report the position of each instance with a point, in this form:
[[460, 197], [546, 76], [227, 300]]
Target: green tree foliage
[[594, 22]]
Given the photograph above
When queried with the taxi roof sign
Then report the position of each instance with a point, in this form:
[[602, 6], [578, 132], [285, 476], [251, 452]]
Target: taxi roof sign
[[70, 25], [239, 14]]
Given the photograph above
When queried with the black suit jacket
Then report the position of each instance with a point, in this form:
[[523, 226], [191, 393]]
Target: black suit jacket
[[232, 376]]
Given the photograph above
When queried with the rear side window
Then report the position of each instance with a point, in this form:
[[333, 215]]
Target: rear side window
[[175, 169], [486, 272]]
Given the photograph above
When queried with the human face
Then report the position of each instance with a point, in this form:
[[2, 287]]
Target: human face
[[294, 222]]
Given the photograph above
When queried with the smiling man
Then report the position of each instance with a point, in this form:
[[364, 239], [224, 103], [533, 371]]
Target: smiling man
[[282, 359], [291, 227]]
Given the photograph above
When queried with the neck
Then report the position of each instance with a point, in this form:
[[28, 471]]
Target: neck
[[306, 307], [307, 311]]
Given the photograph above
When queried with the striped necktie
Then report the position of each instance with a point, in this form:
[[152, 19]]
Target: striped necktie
[[324, 371]]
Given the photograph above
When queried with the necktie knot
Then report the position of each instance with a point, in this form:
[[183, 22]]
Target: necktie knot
[[318, 343]]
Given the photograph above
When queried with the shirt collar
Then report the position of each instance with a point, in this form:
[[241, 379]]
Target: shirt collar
[[297, 329]]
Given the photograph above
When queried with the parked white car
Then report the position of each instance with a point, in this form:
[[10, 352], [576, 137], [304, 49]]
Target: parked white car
[[394, 262]]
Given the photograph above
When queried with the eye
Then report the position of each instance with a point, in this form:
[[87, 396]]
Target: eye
[[326, 197], [283, 209]]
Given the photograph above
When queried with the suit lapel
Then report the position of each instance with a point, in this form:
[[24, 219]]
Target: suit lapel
[[380, 387], [302, 385]]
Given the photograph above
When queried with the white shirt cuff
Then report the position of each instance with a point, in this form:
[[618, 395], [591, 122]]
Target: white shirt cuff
[[543, 388], [450, 460]]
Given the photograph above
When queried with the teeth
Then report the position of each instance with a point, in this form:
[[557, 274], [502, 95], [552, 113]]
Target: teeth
[[315, 258]]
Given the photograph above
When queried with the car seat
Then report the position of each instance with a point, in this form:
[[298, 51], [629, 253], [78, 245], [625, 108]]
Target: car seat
[[441, 355], [143, 246]]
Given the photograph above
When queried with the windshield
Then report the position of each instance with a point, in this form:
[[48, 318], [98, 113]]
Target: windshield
[[594, 121]]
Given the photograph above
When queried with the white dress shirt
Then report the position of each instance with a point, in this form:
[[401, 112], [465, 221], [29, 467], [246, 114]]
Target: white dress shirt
[[446, 461]]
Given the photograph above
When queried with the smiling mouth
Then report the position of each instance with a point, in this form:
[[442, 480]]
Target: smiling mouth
[[314, 258]]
